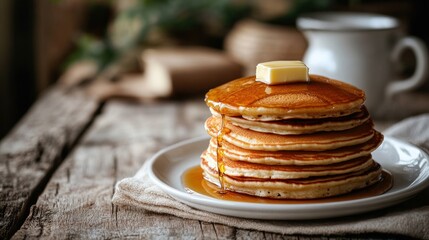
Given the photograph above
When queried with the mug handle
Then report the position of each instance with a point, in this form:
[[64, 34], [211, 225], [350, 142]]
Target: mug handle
[[421, 71]]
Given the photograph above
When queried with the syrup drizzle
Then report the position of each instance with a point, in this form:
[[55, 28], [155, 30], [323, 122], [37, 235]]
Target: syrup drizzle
[[246, 92], [220, 154]]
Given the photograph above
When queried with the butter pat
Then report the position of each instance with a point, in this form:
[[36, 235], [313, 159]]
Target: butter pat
[[279, 72]]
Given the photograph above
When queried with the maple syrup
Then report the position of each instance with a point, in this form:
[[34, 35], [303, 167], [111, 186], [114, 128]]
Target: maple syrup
[[194, 182], [246, 92], [220, 154]]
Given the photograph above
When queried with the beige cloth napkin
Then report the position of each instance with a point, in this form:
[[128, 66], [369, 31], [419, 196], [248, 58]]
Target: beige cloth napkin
[[410, 218]]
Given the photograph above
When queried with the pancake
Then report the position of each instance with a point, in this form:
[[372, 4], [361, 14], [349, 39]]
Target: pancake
[[320, 98], [298, 157], [320, 141], [307, 188], [263, 171], [300, 140], [302, 126]]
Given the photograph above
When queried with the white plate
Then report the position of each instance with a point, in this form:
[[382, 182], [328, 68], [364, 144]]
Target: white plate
[[407, 163]]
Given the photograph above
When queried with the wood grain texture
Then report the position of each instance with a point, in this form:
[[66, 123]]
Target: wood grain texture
[[77, 201], [403, 105], [34, 148]]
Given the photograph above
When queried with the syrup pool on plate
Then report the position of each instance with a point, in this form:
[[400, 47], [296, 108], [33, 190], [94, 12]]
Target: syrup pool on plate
[[194, 182]]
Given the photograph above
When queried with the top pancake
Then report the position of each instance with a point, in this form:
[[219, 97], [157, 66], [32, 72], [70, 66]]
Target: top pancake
[[321, 97]]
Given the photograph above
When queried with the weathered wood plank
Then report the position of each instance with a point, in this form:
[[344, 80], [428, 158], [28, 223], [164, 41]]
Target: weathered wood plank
[[403, 105], [76, 202], [34, 148]]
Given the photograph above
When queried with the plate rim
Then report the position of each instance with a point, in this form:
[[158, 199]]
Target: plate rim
[[397, 196]]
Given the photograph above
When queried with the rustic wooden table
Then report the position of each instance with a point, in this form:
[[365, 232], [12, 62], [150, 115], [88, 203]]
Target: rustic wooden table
[[59, 166]]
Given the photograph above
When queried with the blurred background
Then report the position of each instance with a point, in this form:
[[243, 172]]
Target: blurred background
[[43, 42]]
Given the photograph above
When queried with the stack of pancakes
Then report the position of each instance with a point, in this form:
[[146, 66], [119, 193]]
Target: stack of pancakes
[[290, 141]]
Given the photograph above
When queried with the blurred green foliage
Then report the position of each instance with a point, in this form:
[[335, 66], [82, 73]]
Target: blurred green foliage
[[209, 20], [299, 7]]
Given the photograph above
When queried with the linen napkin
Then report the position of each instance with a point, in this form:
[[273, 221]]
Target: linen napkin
[[408, 219]]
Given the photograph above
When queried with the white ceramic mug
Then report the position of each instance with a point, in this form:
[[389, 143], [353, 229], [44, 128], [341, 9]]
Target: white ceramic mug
[[361, 49]]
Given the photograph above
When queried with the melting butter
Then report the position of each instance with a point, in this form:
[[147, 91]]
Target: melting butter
[[278, 72]]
